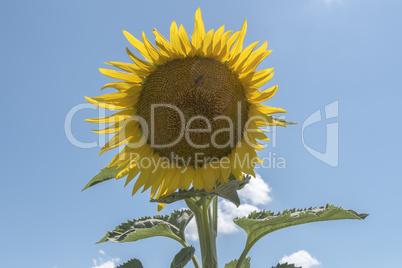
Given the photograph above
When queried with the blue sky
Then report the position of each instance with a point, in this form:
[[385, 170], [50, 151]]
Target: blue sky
[[344, 51]]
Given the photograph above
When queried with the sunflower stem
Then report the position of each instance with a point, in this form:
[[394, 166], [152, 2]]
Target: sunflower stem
[[243, 256], [206, 231], [193, 258], [215, 215]]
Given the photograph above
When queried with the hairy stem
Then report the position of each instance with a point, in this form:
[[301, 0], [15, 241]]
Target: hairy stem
[[206, 231], [193, 258]]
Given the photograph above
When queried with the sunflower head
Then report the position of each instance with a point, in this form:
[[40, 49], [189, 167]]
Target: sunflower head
[[190, 110]]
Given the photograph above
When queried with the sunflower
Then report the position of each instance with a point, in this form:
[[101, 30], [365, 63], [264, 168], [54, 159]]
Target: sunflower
[[190, 112]]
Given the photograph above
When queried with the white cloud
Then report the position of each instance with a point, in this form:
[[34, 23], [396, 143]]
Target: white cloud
[[105, 262], [108, 264], [256, 192], [191, 231], [253, 194], [227, 211], [301, 258]]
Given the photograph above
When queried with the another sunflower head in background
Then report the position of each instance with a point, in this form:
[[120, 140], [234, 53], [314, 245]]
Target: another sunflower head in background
[[190, 112]]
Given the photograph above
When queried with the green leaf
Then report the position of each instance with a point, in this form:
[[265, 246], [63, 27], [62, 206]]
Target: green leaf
[[232, 264], [227, 190], [246, 179], [160, 225], [183, 257], [105, 174], [259, 224], [133, 263], [283, 121], [286, 265]]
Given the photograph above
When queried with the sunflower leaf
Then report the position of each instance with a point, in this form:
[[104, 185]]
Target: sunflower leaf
[[245, 264], [160, 225], [261, 223], [133, 263], [283, 121], [105, 174], [227, 190], [183, 257], [286, 265]]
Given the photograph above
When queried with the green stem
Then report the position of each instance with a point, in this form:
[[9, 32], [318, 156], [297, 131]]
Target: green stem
[[210, 234], [205, 226], [244, 254], [215, 214], [194, 258]]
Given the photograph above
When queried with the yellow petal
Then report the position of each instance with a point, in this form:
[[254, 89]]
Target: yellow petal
[[105, 105], [128, 67], [208, 176], [121, 137], [235, 165], [123, 172], [245, 161], [111, 129], [256, 79], [221, 51], [123, 86], [143, 65], [130, 77], [131, 155], [225, 173], [156, 57], [138, 45], [157, 182], [237, 48], [190, 50], [255, 58], [253, 142], [176, 41], [164, 46], [256, 96], [217, 40], [242, 57], [267, 122], [125, 166], [161, 206], [187, 178], [175, 181], [199, 30], [156, 172], [127, 99], [254, 156], [198, 181], [258, 115], [206, 48], [267, 109], [167, 181], [117, 117], [120, 157], [225, 54], [258, 134], [145, 173], [262, 81], [131, 175]]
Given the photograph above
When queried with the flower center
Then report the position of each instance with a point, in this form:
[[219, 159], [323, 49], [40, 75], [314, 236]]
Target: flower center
[[195, 110]]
